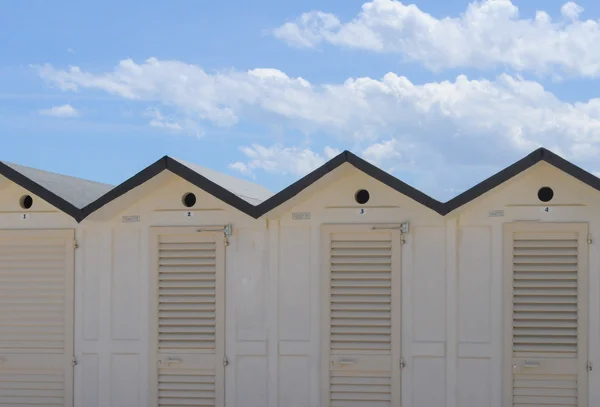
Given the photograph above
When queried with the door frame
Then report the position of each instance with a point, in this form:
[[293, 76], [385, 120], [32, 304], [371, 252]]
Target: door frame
[[324, 319], [508, 229], [154, 233]]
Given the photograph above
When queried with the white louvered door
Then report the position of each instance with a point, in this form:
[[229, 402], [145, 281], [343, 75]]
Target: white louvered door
[[36, 318], [361, 317], [189, 312], [546, 314]]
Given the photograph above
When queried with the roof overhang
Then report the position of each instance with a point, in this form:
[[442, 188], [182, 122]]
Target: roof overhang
[[42, 192], [169, 164]]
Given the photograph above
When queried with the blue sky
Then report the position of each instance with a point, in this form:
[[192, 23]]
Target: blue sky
[[440, 93]]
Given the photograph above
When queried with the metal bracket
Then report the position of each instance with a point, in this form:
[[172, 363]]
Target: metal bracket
[[225, 361], [227, 231], [589, 366], [589, 239], [75, 244], [402, 363], [403, 227], [74, 361]]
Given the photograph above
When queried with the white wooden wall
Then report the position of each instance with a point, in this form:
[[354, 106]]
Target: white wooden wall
[[451, 291]]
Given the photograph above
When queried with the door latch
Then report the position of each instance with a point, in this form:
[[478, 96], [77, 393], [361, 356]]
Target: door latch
[[402, 363], [225, 361], [74, 361], [589, 366]]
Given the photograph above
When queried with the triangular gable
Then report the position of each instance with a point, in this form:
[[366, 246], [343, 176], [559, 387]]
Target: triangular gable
[[362, 165], [191, 174], [35, 181], [541, 154]]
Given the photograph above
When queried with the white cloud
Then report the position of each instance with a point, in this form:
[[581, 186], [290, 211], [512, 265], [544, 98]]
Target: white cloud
[[429, 130], [185, 125], [60, 111], [489, 33], [571, 10], [284, 160]]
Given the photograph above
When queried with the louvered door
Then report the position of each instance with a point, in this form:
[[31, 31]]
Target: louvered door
[[36, 318], [189, 317], [546, 314], [361, 317]]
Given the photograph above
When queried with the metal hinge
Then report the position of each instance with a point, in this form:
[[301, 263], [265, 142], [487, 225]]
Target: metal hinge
[[225, 361], [75, 244], [589, 366], [402, 363], [74, 361], [589, 239]]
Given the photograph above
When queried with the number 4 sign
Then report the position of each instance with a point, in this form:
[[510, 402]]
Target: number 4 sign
[[546, 209]]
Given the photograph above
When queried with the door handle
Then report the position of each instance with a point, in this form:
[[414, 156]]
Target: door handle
[[531, 364], [347, 362], [172, 361]]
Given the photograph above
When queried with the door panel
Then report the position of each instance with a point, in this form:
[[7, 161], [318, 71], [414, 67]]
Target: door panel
[[361, 316], [546, 318], [36, 317], [189, 317]]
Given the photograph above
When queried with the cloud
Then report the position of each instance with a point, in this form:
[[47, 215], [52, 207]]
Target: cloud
[[182, 125], [284, 160], [428, 131], [489, 33], [60, 111]]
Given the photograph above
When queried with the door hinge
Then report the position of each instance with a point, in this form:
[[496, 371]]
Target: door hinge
[[589, 239], [402, 363], [589, 366], [225, 361], [75, 244], [74, 361]]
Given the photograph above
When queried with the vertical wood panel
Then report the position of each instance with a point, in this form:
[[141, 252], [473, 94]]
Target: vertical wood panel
[[451, 312], [429, 382], [90, 380], [125, 309], [294, 284], [95, 263], [474, 383], [474, 285], [124, 375], [429, 284], [273, 313], [250, 277], [294, 381], [251, 381]]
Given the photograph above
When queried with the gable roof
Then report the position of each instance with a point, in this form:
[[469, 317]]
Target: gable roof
[[541, 154], [242, 195], [79, 197], [66, 193], [362, 165]]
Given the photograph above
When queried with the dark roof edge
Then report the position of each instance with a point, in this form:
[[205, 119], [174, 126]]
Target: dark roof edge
[[361, 165], [42, 192], [303, 183], [495, 180], [256, 211], [167, 163], [541, 154], [395, 183], [138, 179]]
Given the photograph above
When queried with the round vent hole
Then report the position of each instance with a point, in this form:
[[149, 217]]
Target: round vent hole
[[362, 196], [189, 200], [545, 194], [26, 201]]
